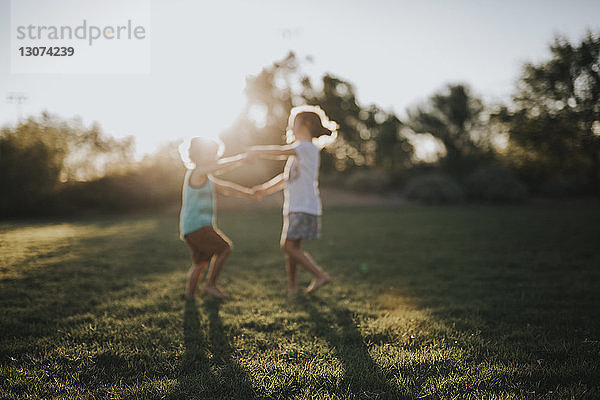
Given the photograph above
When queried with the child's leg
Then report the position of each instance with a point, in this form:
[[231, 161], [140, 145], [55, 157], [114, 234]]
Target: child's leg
[[300, 257], [318, 282], [214, 271], [291, 268], [194, 278]]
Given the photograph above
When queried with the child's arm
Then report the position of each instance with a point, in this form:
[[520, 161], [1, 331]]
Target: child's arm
[[274, 185], [222, 165], [231, 189], [273, 152]]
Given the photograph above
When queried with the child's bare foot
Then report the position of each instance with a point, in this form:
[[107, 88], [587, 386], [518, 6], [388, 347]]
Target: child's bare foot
[[214, 291], [318, 282]]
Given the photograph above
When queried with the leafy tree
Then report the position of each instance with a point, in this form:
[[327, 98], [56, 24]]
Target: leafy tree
[[29, 170], [368, 137], [554, 124], [39, 154], [269, 101], [393, 151], [454, 116]]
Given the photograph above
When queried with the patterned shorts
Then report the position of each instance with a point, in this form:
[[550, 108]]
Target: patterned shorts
[[298, 225]]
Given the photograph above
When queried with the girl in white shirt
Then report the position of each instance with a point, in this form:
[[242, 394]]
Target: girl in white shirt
[[307, 128]]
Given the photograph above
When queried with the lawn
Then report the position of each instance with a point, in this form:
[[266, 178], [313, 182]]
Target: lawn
[[425, 302]]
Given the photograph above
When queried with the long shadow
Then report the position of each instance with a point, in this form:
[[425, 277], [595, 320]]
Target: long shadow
[[209, 370], [498, 295], [363, 378]]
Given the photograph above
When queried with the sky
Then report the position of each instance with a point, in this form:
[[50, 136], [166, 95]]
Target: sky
[[396, 53]]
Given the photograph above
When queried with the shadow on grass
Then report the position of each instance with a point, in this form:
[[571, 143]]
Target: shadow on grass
[[209, 369], [510, 297], [363, 378]]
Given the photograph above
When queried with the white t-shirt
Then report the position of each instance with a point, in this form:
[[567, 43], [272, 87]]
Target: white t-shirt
[[301, 193]]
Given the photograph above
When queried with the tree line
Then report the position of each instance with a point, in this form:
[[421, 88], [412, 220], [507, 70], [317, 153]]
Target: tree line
[[545, 141]]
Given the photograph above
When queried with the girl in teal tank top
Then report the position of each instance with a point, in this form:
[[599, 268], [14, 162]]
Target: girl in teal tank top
[[198, 206], [197, 218]]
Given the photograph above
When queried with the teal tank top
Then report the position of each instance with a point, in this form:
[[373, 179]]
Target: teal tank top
[[198, 204]]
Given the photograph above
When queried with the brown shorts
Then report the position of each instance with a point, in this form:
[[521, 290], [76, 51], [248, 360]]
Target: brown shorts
[[206, 242]]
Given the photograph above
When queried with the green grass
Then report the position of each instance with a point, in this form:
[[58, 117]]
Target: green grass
[[433, 303]]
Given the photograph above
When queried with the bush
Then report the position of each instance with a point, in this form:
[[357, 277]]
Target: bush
[[120, 193], [434, 188], [561, 185], [494, 183], [41, 153], [365, 180], [28, 175]]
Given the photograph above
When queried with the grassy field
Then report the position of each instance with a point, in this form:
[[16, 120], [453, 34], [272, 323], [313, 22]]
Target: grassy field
[[426, 302]]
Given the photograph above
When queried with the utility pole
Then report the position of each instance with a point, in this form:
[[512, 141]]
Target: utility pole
[[17, 98]]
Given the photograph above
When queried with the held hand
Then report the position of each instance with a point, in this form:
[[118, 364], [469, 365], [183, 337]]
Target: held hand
[[251, 194], [258, 193]]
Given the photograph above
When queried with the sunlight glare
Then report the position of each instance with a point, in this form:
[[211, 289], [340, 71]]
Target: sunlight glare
[[258, 114]]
